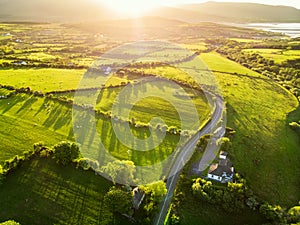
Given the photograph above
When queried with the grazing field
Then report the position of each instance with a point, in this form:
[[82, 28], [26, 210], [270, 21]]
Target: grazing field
[[195, 46], [42, 192], [264, 148], [278, 55], [217, 63], [147, 108], [36, 119], [41, 79], [245, 40], [195, 212], [26, 120]]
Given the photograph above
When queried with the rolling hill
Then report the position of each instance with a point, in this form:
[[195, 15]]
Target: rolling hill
[[89, 10]]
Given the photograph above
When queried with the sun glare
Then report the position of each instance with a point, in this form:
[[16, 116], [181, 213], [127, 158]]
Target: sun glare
[[131, 7]]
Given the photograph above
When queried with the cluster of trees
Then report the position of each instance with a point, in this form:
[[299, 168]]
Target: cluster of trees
[[117, 202], [64, 153], [286, 73], [232, 198], [154, 192]]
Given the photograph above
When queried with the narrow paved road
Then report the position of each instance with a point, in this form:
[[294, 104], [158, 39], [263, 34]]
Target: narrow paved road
[[186, 154]]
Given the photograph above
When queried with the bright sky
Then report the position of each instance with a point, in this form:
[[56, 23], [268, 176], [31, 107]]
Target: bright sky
[[138, 7]]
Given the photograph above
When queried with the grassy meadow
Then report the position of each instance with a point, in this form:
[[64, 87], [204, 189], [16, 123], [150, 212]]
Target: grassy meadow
[[39, 119], [278, 55], [208, 214], [44, 80], [42, 192], [264, 148], [147, 108]]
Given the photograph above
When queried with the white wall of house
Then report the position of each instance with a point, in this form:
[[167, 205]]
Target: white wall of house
[[214, 177], [222, 157]]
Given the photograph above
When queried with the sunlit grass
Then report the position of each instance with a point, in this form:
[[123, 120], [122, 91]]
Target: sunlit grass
[[278, 55], [264, 148]]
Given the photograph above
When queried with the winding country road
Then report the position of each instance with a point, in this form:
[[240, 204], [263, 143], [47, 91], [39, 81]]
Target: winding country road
[[186, 153]]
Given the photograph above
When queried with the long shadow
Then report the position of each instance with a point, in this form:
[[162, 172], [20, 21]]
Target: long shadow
[[8, 104], [29, 102], [62, 120], [56, 112], [294, 115], [42, 107]]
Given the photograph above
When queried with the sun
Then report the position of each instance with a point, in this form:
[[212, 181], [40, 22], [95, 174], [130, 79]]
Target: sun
[[132, 8]]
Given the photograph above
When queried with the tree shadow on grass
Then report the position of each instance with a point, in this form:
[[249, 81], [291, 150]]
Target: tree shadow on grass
[[9, 103], [27, 103], [293, 116], [43, 192]]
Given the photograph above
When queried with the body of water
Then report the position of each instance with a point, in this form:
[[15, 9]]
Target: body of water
[[290, 29]]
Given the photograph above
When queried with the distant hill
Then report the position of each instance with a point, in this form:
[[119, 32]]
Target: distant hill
[[91, 10], [53, 10], [244, 12]]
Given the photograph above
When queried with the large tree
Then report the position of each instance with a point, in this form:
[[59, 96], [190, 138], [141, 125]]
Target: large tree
[[65, 152], [121, 171], [118, 201]]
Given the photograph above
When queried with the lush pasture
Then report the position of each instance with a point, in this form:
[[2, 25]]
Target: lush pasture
[[216, 62], [28, 119], [265, 150], [195, 46], [245, 40], [40, 56], [195, 212], [41, 79], [42, 192], [278, 55], [47, 80], [147, 108]]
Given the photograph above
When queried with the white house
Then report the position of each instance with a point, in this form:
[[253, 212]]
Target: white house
[[222, 171]]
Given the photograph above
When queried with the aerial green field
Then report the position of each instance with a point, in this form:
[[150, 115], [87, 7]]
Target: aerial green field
[[147, 108], [36, 119], [217, 63], [195, 46], [43, 192], [278, 55], [44, 80], [263, 139], [27, 120], [195, 212], [245, 40]]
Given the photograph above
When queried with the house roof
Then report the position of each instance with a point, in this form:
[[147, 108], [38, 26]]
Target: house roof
[[220, 169], [223, 153]]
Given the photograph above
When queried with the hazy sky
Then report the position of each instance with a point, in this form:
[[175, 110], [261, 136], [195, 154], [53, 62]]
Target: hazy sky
[[294, 3]]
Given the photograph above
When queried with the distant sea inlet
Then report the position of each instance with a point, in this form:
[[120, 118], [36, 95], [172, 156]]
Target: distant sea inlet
[[290, 29]]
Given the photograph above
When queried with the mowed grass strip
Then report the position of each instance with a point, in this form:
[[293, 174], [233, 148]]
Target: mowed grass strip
[[265, 149], [42, 192]]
